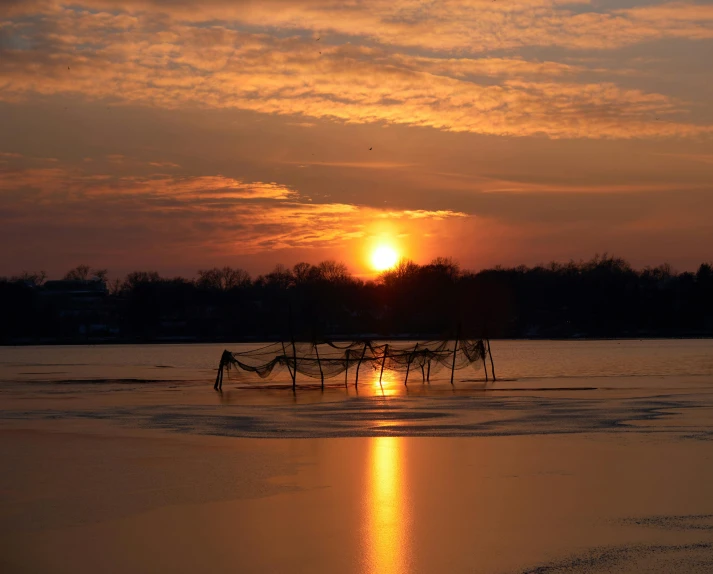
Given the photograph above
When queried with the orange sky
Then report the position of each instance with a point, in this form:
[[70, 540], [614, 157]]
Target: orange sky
[[161, 135]]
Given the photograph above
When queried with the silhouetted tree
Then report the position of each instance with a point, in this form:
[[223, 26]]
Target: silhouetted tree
[[84, 273], [79, 273], [223, 279], [602, 297]]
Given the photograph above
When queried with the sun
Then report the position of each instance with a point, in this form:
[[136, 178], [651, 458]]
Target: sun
[[384, 258]]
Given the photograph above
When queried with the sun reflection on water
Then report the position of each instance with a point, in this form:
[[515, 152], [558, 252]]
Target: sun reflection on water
[[389, 385], [386, 507]]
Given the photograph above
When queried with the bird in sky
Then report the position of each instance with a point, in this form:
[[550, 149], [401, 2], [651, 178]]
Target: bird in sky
[[370, 149]]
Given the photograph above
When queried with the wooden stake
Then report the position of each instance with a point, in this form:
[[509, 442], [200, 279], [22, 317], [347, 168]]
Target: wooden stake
[[455, 350], [346, 371], [383, 363], [408, 366], [321, 374], [217, 377], [492, 365], [294, 351], [356, 381], [287, 362]]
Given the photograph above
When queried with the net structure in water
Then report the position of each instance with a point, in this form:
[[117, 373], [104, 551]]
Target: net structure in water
[[327, 360]]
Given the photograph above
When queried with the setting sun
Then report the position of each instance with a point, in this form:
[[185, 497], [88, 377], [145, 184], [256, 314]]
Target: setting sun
[[384, 258]]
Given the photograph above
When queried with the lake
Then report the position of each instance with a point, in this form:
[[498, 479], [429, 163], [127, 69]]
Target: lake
[[584, 457]]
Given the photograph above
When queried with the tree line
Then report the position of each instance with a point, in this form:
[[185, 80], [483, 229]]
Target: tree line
[[602, 297]]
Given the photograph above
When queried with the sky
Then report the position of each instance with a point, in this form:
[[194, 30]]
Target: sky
[[174, 136]]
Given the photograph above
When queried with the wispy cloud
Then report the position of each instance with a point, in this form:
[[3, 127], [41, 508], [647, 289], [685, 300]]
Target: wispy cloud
[[125, 57], [210, 211], [447, 25]]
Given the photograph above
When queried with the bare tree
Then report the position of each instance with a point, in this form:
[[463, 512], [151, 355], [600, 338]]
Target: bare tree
[[447, 266], [100, 274], [404, 270], [280, 276], [223, 279], [137, 277], [333, 271], [79, 273], [84, 273], [301, 271], [115, 286], [34, 278]]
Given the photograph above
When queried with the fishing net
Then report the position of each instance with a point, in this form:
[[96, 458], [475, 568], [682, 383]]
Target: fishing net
[[327, 360]]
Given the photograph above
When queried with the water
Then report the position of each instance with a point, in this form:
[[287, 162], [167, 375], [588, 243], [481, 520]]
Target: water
[[585, 457], [522, 362]]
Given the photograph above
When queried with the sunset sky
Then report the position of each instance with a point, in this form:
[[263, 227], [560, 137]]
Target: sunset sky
[[171, 136]]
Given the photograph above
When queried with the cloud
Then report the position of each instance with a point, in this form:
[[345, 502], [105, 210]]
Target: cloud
[[123, 58], [700, 157], [447, 25], [210, 212], [483, 25], [422, 214]]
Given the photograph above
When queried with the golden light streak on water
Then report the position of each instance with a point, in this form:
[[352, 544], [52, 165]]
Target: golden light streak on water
[[387, 517], [390, 384]]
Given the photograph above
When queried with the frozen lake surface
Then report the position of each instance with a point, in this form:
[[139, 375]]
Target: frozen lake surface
[[584, 457]]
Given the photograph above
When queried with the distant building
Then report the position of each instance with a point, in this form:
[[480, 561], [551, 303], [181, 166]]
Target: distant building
[[81, 305]]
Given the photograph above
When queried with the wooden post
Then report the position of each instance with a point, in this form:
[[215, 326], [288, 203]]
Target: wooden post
[[321, 374], [383, 363], [356, 381], [221, 367], [294, 365], [423, 375], [287, 362], [408, 366], [218, 381], [346, 371], [455, 350], [294, 350], [492, 365]]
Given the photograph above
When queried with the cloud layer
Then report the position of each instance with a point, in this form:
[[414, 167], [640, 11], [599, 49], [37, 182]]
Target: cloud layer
[[166, 55], [215, 213]]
